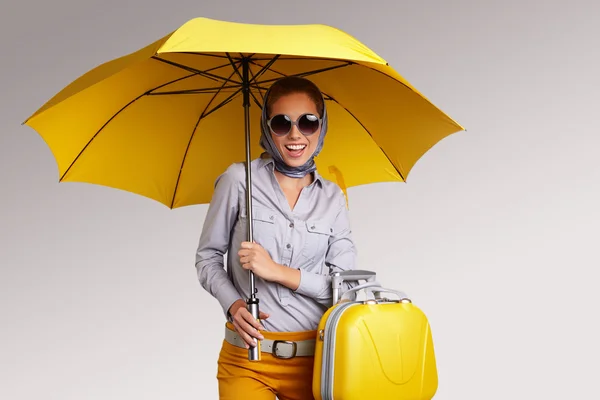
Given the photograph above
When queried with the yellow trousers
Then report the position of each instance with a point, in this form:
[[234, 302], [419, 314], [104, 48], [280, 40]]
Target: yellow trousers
[[288, 379]]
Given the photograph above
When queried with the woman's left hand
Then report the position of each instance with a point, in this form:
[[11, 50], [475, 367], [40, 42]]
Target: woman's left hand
[[255, 258]]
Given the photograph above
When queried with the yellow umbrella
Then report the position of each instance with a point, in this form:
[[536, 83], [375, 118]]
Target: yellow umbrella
[[152, 122], [166, 120]]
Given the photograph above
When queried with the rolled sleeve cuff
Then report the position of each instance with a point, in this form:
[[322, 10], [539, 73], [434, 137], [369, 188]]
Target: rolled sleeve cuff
[[313, 285], [227, 296]]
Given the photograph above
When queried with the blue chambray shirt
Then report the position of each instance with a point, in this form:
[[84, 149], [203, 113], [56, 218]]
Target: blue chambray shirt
[[314, 237]]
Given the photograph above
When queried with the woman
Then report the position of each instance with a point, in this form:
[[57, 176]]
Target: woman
[[301, 235]]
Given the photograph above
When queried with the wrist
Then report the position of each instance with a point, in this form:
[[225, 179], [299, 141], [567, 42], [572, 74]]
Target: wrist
[[235, 306], [280, 272], [288, 277]]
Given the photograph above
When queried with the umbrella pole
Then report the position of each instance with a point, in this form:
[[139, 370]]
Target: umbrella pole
[[252, 301]]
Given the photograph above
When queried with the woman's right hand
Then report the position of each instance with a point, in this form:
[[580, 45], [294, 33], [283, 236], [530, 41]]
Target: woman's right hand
[[245, 325]]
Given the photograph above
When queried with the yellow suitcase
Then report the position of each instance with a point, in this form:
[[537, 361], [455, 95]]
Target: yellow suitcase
[[378, 347]]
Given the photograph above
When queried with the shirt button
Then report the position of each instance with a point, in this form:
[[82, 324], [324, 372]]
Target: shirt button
[[291, 224], [288, 245]]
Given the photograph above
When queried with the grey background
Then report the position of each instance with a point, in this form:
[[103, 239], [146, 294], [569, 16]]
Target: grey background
[[495, 235]]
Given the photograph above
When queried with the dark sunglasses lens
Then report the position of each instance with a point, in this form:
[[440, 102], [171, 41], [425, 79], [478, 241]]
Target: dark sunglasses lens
[[308, 124], [280, 124]]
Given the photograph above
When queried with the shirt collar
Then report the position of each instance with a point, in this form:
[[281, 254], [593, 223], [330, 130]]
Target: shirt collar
[[267, 161]]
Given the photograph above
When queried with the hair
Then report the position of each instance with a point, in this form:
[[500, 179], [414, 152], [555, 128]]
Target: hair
[[295, 84]]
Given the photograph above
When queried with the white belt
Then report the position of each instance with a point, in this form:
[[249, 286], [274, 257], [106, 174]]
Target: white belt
[[278, 348]]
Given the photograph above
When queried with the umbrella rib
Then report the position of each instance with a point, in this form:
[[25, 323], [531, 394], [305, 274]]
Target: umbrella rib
[[264, 68], [256, 86], [203, 115], [418, 94], [113, 117], [309, 58], [208, 75], [223, 103], [307, 73], [218, 67], [195, 91], [200, 90], [253, 95], [291, 58], [235, 67], [369, 133], [258, 103]]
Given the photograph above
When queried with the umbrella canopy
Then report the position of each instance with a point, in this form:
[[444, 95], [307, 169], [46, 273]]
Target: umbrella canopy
[[166, 120]]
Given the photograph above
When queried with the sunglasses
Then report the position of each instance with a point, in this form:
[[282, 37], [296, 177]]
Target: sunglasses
[[308, 124]]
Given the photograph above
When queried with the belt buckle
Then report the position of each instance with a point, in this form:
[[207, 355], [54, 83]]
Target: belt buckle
[[275, 346]]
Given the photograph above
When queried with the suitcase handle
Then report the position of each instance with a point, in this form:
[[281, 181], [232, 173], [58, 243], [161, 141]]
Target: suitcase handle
[[403, 297], [376, 290], [338, 278], [355, 289]]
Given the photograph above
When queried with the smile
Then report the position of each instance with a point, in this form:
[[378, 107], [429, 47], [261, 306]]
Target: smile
[[295, 147]]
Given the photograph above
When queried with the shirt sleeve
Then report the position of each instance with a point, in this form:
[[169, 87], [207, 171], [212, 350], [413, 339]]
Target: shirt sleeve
[[214, 239], [341, 256]]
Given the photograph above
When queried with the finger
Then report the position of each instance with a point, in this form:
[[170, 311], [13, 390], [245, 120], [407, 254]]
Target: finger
[[249, 324], [246, 259], [248, 341], [253, 325], [247, 331], [249, 334], [263, 315], [246, 245], [250, 266], [247, 266], [247, 255]]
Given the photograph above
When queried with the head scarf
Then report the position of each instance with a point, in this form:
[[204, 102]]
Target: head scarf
[[266, 142]]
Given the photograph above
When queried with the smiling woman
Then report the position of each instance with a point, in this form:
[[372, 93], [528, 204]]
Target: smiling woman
[[301, 235]]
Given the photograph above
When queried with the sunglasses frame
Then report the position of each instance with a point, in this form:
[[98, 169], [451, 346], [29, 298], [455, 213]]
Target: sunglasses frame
[[294, 123]]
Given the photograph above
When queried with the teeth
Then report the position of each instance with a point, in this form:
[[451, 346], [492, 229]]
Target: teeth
[[295, 146]]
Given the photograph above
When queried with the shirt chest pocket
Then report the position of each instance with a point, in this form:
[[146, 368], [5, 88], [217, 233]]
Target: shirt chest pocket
[[264, 228], [316, 239]]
